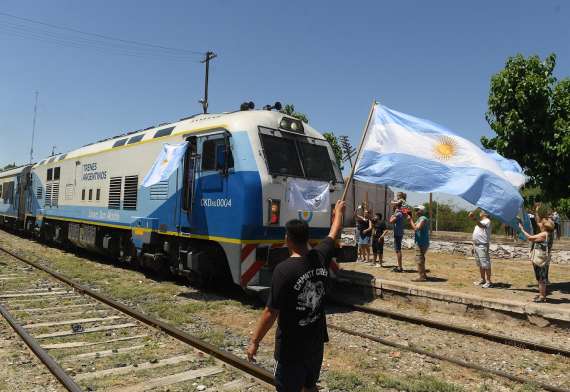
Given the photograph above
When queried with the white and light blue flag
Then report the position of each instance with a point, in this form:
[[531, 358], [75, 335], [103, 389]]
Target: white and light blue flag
[[304, 195], [165, 164], [419, 155]]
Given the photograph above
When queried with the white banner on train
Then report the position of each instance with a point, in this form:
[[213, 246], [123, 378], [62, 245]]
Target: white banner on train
[[305, 195]]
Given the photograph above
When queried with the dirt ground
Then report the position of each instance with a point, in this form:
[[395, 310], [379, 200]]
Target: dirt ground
[[513, 278], [351, 364]]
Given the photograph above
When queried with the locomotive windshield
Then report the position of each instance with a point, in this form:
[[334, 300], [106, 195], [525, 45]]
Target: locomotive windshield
[[296, 157]]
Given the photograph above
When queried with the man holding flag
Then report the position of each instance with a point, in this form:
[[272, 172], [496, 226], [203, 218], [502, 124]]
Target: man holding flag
[[411, 153]]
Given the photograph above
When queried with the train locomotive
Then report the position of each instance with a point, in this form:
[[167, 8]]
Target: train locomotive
[[220, 216]]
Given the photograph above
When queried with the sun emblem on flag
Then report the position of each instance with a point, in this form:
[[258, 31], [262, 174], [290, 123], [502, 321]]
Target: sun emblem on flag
[[445, 148], [164, 162]]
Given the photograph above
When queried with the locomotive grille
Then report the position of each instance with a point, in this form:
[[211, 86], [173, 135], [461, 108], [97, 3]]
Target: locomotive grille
[[47, 201], [130, 193], [159, 191], [55, 194], [39, 193], [115, 193]]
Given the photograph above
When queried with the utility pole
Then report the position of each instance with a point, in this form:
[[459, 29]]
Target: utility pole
[[34, 128], [349, 150], [430, 212], [209, 56]]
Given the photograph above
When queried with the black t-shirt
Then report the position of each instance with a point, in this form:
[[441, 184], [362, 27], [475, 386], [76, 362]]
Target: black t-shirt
[[298, 291], [363, 224], [379, 228]]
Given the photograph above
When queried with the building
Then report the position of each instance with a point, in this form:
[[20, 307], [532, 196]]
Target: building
[[376, 198]]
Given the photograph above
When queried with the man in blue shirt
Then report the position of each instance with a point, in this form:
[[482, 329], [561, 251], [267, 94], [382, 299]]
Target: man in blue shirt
[[397, 219], [421, 238]]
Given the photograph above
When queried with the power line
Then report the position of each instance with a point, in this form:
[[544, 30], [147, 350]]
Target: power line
[[141, 45]]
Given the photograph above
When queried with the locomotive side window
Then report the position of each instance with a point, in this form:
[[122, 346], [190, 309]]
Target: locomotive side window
[[212, 151]]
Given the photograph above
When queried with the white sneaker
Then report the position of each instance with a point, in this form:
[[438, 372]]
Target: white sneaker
[[487, 285], [479, 282]]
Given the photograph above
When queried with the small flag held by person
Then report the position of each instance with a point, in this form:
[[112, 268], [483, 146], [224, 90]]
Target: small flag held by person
[[165, 164], [418, 155]]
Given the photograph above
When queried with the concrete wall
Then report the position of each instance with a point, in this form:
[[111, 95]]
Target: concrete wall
[[375, 194]]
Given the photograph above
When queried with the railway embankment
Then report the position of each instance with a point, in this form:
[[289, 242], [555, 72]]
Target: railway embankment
[[351, 363]]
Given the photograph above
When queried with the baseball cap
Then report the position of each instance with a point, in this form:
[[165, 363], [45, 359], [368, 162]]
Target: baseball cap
[[420, 208]]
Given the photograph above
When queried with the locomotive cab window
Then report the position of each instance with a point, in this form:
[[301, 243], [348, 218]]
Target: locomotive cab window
[[49, 174], [216, 154], [56, 173]]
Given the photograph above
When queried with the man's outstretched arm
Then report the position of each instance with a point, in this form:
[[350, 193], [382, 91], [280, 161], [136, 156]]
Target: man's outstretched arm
[[336, 225], [264, 324]]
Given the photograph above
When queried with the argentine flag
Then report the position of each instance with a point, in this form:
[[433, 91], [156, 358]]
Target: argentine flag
[[418, 155], [165, 164]]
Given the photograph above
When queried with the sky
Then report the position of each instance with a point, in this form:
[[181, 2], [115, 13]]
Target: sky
[[429, 59]]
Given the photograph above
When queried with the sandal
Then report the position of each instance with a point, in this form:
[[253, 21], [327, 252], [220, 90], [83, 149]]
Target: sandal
[[539, 299]]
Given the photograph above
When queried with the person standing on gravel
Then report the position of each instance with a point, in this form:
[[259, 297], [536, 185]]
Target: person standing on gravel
[[421, 238], [397, 219], [380, 231], [296, 301], [481, 241]]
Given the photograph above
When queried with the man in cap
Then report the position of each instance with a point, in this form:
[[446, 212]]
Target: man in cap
[[481, 240], [421, 238]]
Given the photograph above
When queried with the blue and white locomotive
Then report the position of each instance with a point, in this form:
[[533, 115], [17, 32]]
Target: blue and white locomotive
[[220, 215]]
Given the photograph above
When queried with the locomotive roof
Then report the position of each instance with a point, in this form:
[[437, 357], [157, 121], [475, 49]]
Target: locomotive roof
[[12, 172], [196, 123]]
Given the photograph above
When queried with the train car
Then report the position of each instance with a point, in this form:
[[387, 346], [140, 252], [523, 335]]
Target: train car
[[220, 215], [14, 187]]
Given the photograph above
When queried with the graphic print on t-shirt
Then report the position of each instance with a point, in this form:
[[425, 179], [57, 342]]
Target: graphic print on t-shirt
[[310, 295]]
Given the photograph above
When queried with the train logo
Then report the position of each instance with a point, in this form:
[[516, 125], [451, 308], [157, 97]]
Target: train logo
[[306, 216]]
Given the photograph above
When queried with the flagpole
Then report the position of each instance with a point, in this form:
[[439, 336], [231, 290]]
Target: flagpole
[[364, 131]]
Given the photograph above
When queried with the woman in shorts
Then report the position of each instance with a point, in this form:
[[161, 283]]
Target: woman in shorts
[[540, 255], [364, 225]]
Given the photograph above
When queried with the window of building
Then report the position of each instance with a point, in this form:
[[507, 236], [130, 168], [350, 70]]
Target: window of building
[[83, 194], [90, 194], [98, 195]]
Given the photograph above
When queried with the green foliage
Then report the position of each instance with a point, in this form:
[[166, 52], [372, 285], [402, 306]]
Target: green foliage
[[337, 149], [9, 166], [449, 219], [290, 111], [529, 110]]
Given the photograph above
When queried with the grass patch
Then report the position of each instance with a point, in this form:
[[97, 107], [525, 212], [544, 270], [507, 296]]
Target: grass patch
[[349, 382], [417, 384]]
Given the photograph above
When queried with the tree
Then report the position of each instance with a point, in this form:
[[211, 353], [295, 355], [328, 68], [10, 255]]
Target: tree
[[9, 166], [337, 150], [529, 110], [290, 111]]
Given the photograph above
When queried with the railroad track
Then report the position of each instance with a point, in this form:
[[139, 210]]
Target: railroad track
[[448, 327], [90, 342]]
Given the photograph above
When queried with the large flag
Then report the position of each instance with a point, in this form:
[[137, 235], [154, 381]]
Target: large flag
[[165, 164], [418, 155]]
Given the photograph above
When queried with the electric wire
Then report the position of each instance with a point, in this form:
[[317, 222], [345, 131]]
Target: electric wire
[[26, 28]]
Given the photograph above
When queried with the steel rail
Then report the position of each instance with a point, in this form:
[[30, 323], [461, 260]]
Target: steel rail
[[64, 378], [497, 338], [445, 358], [230, 359]]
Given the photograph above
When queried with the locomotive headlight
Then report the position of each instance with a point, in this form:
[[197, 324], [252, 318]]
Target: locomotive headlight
[[291, 125]]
